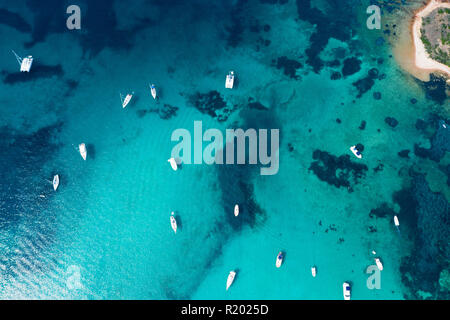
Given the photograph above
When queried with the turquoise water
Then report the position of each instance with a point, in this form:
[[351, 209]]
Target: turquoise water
[[105, 233]]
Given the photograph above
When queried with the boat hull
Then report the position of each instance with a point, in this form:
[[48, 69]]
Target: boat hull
[[236, 210], [55, 182], [83, 151], [230, 279], [173, 223], [173, 164]]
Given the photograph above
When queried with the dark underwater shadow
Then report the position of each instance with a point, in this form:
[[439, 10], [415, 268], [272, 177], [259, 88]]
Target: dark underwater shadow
[[91, 151]]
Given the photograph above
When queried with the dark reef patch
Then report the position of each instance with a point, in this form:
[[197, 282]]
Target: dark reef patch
[[335, 25], [351, 66], [404, 154], [391, 121], [211, 103], [165, 112], [337, 171], [365, 84], [336, 75], [257, 105], [435, 89], [13, 20], [377, 95], [289, 66], [382, 211], [439, 141], [362, 126], [37, 71], [429, 214], [236, 29]]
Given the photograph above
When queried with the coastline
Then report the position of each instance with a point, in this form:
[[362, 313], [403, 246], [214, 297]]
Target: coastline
[[421, 57]]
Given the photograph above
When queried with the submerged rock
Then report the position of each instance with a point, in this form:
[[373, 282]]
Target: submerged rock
[[391, 121], [351, 66], [289, 66], [404, 154], [211, 103], [337, 171], [377, 95]]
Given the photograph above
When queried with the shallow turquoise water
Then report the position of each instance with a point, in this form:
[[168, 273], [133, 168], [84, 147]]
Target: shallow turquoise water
[[105, 234]]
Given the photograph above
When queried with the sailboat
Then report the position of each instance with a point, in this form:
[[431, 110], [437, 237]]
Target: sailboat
[[25, 63], [55, 182], [83, 151], [229, 80], [230, 278], [153, 91], [173, 222], [236, 210], [173, 164], [127, 99]]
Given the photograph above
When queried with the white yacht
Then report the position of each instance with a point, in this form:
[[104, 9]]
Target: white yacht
[[173, 222], [229, 81], [313, 271], [55, 182], [25, 63], [173, 164], [346, 290], [356, 152], [279, 259], [230, 278], [236, 210], [379, 264], [397, 224], [153, 91], [127, 99], [83, 151]]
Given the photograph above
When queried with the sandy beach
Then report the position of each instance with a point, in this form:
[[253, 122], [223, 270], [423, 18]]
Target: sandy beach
[[422, 59]]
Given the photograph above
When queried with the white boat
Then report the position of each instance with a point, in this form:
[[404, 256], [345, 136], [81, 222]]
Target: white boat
[[173, 222], [83, 151], [279, 259], [236, 210], [25, 63], [127, 99], [153, 91], [356, 152], [55, 182], [313, 271], [396, 221], [230, 278], [379, 264], [173, 164], [229, 81], [347, 290]]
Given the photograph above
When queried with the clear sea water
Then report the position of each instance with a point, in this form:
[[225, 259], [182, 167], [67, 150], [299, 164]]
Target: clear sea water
[[105, 233]]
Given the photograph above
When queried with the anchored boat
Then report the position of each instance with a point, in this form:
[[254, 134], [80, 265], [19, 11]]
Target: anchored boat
[[127, 99], [229, 81], [153, 91], [379, 264], [313, 271], [356, 152], [173, 164], [173, 222], [346, 290], [230, 278], [279, 259], [25, 63], [236, 210], [83, 151], [55, 182]]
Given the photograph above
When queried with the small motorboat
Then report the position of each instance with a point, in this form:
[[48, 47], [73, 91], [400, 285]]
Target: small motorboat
[[236, 210], [153, 91], [396, 223], [230, 278], [25, 63], [347, 290], [313, 271], [173, 164], [127, 99], [83, 151], [379, 264], [279, 259], [356, 152], [229, 81], [55, 182], [173, 222]]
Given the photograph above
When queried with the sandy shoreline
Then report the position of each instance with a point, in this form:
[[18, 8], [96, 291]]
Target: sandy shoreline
[[422, 59]]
